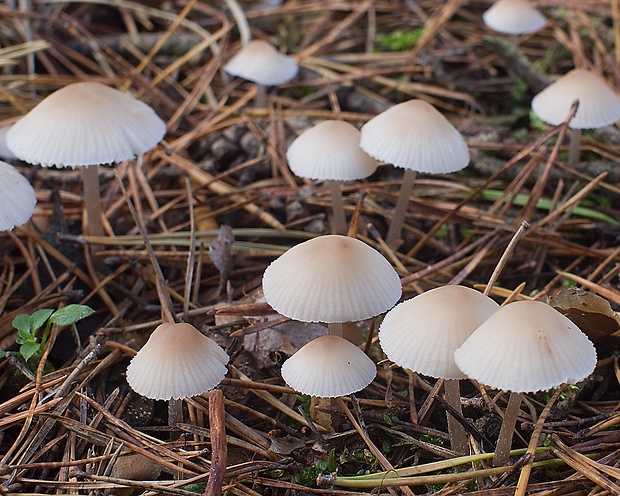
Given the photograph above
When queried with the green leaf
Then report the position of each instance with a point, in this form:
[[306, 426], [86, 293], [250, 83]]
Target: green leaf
[[70, 314], [29, 349], [22, 323], [2, 353], [38, 318], [25, 337]]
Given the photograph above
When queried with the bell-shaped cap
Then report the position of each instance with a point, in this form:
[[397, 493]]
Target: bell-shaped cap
[[5, 153], [331, 278], [514, 17], [330, 151], [415, 135], [526, 346], [329, 367], [85, 124], [261, 63], [176, 362], [17, 200], [599, 105], [421, 334]]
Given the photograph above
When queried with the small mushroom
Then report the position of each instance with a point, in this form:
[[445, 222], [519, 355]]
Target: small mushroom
[[330, 152], [526, 346], [328, 367], [258, 61], [413, 135], [514, 17], [599, 105], [331, 279]]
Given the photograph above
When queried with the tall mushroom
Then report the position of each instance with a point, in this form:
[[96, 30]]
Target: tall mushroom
[[599, 105], [421, 334], [525, 346], [330, 152], [413, 135], [86, 124]]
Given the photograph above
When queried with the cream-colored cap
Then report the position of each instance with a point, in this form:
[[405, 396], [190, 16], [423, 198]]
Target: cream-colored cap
[[330, 151], [415, 135], [526, 346], [422, 333], [329, 367], [599, 105], [18, 198], [261, 63], [514, 17], [177, 362], [331, 279], [85, 124], [5, 153]]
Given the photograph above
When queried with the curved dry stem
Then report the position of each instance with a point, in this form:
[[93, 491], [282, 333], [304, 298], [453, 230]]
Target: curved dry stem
[[398, 221]]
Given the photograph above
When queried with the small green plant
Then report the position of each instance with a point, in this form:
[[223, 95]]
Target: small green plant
[[307, 476], [399, 40], [28, 325]]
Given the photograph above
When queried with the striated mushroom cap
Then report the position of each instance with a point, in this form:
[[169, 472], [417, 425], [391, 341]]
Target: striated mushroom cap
[[85, 124], [415, 135], [329, 367], [176, 362], [331, 278]]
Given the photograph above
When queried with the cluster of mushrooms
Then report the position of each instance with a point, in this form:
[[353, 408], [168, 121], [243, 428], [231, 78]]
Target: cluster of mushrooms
[[450, 332]]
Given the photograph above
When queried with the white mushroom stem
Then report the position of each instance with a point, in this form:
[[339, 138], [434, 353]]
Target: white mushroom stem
[[402, 203], [340, 220], [458, 436], [502, 450], [574, 147], [92, 201], [260, 100], [335, 328], [175, 416]]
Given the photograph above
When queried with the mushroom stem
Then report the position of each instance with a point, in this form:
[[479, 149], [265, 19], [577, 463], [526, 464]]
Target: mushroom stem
[[398, 220], [458, 436], [340, 220], [502, 449], [574, 147], [175, 416], [92, 201], [334, 328], [260, 100]]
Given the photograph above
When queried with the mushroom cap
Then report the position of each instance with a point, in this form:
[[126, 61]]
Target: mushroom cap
[[176, 362], [599, 106], [526, 346], [17, 200], [261, 63], [514, 17], [331, 279], [5, 153], [415, 135], [330, 151], [422, 333], [85, 124], [328, 367]]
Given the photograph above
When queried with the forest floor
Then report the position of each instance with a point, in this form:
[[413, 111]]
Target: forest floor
[[223, 163]]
